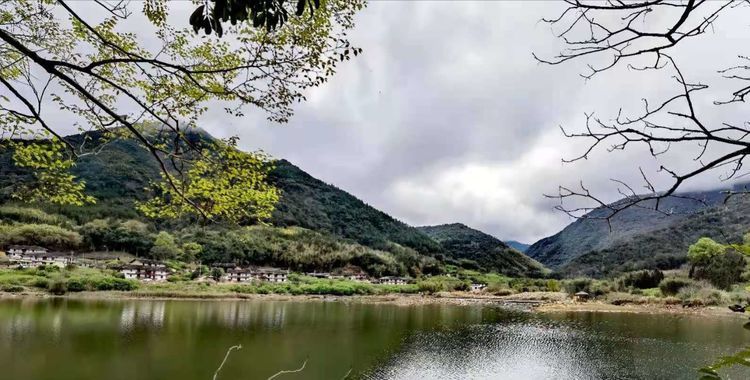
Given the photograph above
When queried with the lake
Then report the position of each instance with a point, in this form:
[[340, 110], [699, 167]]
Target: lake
[[65, 339]]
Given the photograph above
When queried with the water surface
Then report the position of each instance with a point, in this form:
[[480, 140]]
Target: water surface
[[65, 339]]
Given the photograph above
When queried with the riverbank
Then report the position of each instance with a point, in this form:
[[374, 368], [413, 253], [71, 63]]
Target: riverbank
[[536, 302]]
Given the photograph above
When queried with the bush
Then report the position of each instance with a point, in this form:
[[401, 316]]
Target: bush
[[699, 294], [671, 286], [76, 285], [641, 280], [58, 287], [577, 285], [12, 288], [724, 270], [41, 283], [553, 286]]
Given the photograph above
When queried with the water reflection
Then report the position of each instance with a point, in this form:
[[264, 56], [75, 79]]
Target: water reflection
[[67, 339]]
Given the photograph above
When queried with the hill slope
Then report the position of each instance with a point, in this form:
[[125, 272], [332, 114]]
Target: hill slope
[[117, 176], [463, 242], [642, 238]]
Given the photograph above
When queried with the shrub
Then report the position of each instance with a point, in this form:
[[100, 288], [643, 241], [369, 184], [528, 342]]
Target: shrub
[[724, 270], [643, 279], [577, 285], [76, 285], [430, 287], [671, 286], [57, 287], [12, 288], [699, 294], [553, 286], [41, 283]]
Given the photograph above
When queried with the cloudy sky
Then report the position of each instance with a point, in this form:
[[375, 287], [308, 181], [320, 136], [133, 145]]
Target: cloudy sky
[[447, 117]]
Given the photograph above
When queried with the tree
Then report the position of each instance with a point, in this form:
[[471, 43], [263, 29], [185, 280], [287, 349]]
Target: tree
[[165, 247], [190, 251], [110, 82], [217, 274], [702, 252], [643, 36]]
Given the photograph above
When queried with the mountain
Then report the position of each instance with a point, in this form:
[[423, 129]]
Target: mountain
[[517, 245], [464, 243], [642, 238], [117, 176], [311, 203]]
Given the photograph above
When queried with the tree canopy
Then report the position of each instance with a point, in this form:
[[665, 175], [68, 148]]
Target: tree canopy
[[70, 65]]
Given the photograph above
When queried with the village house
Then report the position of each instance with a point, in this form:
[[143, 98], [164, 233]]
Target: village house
[[145, 270], [390, 280], [33, 256], [271, 274], [23, 249], [238, 275], [362, 277]]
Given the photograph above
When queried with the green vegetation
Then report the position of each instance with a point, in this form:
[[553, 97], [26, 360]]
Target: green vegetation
[[59, 281], [474, 249]]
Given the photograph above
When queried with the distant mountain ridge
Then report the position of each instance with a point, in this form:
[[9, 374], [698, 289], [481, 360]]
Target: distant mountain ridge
[[517, 245], [642, 238], [464, 243]]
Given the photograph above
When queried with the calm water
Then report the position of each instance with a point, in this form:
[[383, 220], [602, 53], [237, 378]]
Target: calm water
[[66, 339]]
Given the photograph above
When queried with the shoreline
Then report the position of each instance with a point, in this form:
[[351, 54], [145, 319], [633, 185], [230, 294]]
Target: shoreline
[[534, 302]]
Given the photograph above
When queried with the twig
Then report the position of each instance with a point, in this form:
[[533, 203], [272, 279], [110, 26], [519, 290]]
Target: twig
[[289, 371], [229, 351]]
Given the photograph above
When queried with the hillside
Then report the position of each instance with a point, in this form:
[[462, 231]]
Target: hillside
[[464, 243], [313, 204], [642, 238], [118, 175]]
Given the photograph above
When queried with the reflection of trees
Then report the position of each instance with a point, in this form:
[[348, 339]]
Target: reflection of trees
[[140, 313]]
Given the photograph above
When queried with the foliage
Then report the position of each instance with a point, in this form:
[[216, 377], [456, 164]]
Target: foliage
[[57, 286], [442, 284], [31, 215], [670, 286], [165, 247], [52, 181], [710, 372], [224, 185], [217, 273], [92, 68], [577, 285], [724, 270], [39, 234], [474, 250], [642, 279], [701, 253]]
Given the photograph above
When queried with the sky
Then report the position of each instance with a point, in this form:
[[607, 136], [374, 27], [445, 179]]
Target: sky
[[447, 117]]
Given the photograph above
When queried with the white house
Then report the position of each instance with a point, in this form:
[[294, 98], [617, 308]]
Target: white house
[[390, 280], [33, 257], [145, 270], [271, 274], [238, 275]]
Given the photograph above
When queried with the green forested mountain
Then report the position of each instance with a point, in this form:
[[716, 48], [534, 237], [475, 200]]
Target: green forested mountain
[[120, 173], [642, 238], [467, 244]]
